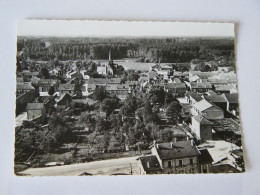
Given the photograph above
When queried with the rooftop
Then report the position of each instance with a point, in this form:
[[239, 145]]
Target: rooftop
[[216, 98], [205, 157], [201, 85], [178, 149], [232, 98], [202, 105], [226, 124], [202, 120], [175, 85], [66, 87], [195, 96], [150, 163], [24, 86], [34, 106]]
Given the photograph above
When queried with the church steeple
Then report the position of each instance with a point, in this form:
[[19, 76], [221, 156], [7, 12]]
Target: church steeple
[[110, 60]]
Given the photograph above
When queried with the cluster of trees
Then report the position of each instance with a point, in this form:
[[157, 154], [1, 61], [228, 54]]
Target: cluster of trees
[[206, 68], [147, 50], [40, 140], [138, 122]]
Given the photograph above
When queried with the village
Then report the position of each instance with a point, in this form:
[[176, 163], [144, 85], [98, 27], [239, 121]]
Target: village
[[165, 120]]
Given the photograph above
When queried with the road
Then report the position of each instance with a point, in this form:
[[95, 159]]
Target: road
[[104, 167]]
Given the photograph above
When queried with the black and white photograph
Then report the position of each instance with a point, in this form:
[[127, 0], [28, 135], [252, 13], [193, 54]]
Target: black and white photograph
[[161, 98]]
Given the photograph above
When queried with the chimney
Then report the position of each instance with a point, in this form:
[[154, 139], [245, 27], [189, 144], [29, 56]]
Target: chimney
[[171, 144], [191, 141]]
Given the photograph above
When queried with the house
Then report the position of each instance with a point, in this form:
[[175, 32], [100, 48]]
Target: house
[[22, 100], [93, 83], [45, 84], [232, 103], [192, 97], [230, 88], [165, 73], [35, 110], [29, 74], [64, 101], [218, 100], [149, 165], [48, 101], [201, 128], [208, 110], [194, 78], [177, 89], [22, 88], [66, 88], [176, 158], [121, 90], [228, 129], [202, 75], [200, 87], [178, 74]]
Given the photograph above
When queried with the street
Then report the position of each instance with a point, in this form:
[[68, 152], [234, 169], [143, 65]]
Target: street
[[104, 167]]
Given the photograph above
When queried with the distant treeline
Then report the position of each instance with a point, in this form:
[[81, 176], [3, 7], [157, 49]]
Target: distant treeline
[[147, 50]]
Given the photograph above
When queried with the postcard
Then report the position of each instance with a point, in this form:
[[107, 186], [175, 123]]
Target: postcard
[[126, 98]]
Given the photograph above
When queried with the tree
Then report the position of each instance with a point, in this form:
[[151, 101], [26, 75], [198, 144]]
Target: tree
[[100, 94], [109, 105], [44, 73], [51, 90], [157, 95], [173, 111]]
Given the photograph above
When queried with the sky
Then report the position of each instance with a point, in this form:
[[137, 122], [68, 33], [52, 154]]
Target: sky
[[73, 28]]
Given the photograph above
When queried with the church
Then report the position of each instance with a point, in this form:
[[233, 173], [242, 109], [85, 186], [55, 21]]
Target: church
[[106, 69]]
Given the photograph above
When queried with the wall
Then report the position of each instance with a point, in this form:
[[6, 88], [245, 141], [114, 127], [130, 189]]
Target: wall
[[176, 168], [195, 128]]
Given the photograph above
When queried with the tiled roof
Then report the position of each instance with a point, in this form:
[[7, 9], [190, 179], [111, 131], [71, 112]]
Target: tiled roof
[[34, 106], [225, 87], [202, 120], [195, 96], [66, 87], [178, 149], [117, 87], [180, 73], [216, 98], [204, 74], [24, 86], [175, 85], [232, 98], [201, 85], [226, 124], [176, 80], [104, 81], [150, 163]]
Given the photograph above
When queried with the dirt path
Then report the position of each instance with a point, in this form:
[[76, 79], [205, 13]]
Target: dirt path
[[104, 167]]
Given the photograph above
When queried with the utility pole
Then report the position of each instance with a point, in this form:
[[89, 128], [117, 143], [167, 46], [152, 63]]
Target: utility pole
[[131, 172]]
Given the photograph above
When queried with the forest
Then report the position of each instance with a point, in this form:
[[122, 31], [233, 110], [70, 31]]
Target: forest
[[143, 49]]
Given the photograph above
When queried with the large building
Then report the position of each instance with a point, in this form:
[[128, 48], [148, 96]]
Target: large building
[[182, 157]]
